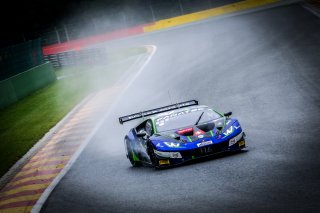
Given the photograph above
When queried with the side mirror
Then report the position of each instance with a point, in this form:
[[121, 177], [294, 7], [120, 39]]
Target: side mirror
[[227, 114], [141, 134]]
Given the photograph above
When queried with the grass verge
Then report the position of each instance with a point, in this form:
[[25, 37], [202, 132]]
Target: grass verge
[[26, 122]]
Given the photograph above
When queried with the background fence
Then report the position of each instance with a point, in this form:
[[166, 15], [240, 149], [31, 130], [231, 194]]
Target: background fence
[[21, 57]]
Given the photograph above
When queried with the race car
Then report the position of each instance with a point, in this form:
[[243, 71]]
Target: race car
[[174, 134]]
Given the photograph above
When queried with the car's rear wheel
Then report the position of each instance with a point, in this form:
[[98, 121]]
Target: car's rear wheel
[[130, 153]]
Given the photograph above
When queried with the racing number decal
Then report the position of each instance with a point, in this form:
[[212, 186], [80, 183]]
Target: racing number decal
[[206, 149]]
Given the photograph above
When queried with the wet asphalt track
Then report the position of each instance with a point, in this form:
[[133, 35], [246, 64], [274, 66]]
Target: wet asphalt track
[[265, 67]]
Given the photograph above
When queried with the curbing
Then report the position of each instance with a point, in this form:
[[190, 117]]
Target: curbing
[[5, 179], [37, 207], [41, 143]]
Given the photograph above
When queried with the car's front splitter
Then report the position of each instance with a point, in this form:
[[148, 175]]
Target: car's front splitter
[[201, 152]]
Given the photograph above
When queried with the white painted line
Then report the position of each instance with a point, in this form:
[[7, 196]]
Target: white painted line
[[154, 49], [37, 207]]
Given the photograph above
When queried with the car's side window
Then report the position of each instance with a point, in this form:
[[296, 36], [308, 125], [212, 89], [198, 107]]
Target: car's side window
[[148, 126], [145, 126], [140, 127]]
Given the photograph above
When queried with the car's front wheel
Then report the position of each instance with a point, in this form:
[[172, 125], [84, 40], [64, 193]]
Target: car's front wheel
[[130, 154], [153, 157]]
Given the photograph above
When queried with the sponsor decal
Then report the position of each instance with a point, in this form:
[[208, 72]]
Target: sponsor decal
[[228, 131], [204, 143], [232, 141], [172, 145], [235, 139], [172, 114], [159, 145], [206, 150], [200, 136], [237, 127]]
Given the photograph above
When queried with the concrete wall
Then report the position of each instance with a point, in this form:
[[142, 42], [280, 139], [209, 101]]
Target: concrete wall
[[25, 83]]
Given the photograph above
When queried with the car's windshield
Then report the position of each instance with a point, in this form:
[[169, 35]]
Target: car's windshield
[[178, 119]]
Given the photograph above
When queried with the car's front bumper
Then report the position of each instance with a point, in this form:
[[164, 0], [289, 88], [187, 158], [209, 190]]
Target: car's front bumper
[[187, 155]]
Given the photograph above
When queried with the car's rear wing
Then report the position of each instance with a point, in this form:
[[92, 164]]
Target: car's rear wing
[[157, 110]]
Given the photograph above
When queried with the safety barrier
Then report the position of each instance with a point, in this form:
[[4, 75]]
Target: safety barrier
[[80, 43], [23, 84], [93, 56]]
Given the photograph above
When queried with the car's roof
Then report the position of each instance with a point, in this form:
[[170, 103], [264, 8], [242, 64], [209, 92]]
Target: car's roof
[[178, 110]]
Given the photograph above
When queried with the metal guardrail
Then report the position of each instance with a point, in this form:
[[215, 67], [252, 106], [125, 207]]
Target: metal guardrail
[[91, 56]]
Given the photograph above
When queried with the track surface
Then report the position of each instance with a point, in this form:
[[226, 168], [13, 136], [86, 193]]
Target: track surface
[[265, 67]]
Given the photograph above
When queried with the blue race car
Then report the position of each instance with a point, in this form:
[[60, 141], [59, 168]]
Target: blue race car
[[181, 132]]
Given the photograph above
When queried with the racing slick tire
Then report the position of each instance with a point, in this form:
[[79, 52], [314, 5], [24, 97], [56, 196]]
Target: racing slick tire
[[153, 157], [129, 153]]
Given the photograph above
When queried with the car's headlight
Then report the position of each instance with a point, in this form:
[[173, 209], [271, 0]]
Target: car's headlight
[[228, 131], [172, 144], [235, 139], [168, 154]]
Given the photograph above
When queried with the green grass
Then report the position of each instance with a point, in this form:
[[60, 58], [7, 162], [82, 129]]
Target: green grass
[[25, 122]]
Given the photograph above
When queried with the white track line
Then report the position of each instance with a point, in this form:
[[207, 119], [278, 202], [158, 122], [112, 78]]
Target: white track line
[[37, 207]]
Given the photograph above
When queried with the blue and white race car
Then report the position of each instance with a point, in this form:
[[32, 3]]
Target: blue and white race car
[[179, 133]]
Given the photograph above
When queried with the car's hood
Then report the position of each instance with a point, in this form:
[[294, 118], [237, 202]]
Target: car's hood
[[197, 135]]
